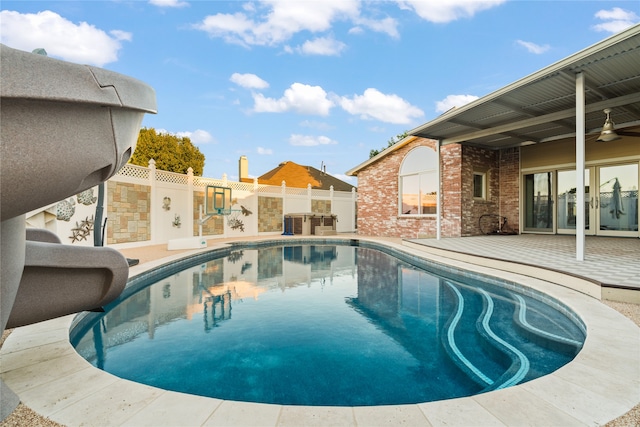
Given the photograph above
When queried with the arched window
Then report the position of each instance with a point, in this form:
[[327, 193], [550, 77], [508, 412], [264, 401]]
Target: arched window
[[419, 182]]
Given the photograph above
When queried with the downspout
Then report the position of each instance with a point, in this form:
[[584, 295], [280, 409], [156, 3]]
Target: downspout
[[580, 163], [438, 207]]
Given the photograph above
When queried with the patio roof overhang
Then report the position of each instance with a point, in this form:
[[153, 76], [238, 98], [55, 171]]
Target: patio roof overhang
[[542, 106], [562, 101]]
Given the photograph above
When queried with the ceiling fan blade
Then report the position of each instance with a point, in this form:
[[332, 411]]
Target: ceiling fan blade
[[625, 133]]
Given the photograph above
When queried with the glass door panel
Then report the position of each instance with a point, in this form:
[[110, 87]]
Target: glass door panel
[[538, 202], [617, 200], [566, 206]]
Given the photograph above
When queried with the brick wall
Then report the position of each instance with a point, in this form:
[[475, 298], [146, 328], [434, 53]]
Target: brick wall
[[509, 183], [451, 199], [378, 196], [482, 161], [378, 192], [128, 213]]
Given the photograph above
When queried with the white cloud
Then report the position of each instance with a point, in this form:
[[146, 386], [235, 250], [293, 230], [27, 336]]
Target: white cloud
[[198, 136], [275, 22], [300, 98], [121, 35], [387, 25], [325, 46], [249, 81], [168, 3], [443, 11], [264, 151], [316, 125], [533, 48], [82, 43], [310, 141], [616, 20], [271, 22], [373, 104], [454, 101]]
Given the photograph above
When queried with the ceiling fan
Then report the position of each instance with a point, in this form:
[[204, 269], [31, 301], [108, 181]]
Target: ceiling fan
[[609, 133]]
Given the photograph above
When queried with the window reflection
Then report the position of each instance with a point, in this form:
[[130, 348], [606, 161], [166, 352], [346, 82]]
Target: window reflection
[[538, 201], [419, 182]]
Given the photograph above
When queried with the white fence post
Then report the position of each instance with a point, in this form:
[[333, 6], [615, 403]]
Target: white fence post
[[190, 200], [309, 197], [331, 199], [354, 209], [284, 203], [255, 218], [153, 212]]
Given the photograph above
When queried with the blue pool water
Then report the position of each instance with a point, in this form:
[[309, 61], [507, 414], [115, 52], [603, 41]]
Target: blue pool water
[[324, 325]]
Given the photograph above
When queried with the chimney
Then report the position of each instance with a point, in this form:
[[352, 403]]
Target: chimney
[[243, 168]]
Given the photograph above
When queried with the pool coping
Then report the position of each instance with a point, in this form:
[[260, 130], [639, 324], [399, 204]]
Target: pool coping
[[600, 384]]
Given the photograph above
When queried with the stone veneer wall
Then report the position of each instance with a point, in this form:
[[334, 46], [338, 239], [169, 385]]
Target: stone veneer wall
[[128, 213], [269, 214], [321, 206], [213, 226]]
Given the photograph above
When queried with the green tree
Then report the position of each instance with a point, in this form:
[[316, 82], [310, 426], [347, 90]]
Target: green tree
[[392, 141], [171, 153]]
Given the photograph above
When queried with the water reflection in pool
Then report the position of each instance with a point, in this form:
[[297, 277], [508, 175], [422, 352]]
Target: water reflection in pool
[[326, 325]]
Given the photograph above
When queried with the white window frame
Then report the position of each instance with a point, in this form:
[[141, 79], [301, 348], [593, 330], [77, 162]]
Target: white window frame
[[483, 176], [427, 170]]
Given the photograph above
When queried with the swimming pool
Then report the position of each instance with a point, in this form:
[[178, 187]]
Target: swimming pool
[[330, 324]]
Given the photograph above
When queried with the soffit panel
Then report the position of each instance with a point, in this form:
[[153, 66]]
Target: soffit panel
[[610, 72]]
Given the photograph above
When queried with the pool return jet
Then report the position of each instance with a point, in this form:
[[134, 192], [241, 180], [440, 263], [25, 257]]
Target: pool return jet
[[65, 128]]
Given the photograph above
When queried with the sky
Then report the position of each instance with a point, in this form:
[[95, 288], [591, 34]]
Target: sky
[[317, 82]]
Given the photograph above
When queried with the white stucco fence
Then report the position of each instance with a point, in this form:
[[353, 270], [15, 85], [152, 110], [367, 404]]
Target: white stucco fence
[[172, 211]]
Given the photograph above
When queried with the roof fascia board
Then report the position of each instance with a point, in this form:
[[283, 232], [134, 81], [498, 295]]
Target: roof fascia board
[[404, 141], [559, 115], [549, 70]]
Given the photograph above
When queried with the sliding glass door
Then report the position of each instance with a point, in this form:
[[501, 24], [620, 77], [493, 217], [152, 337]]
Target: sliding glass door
[[610, 202], [538, 202], [617, 200], [567, 208]]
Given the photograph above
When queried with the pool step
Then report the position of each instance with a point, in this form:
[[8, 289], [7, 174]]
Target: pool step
[[539, 336], [500, 351]]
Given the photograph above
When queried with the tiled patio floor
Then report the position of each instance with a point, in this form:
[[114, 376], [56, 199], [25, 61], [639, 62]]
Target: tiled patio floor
[[611, 261], [601, 383]]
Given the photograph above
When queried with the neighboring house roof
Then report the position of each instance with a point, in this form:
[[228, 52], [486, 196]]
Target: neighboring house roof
[[542, 106], [299, 176]]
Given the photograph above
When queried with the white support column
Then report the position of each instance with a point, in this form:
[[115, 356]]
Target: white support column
[[438, 195], [580, 160]]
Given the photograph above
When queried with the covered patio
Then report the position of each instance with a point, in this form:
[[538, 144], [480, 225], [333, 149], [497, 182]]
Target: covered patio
[[612, 263], [555, 119]]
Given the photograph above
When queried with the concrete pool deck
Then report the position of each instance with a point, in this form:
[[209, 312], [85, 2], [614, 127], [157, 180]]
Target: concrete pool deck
[[600, 384]]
